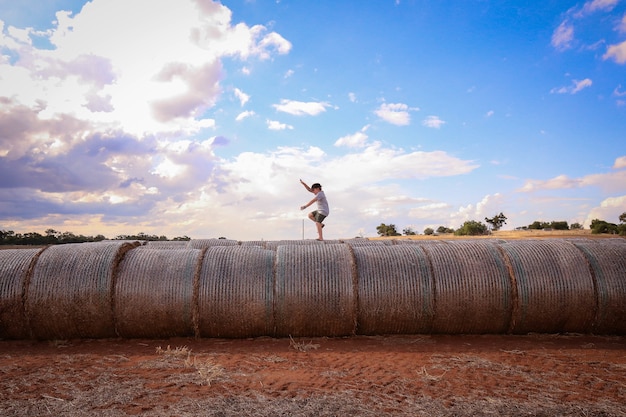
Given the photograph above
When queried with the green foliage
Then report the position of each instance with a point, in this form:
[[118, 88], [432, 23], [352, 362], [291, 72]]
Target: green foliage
[[472, 228], [443, 229], [409, 232], [622, 217], [536, 225], [429, 231], [576, 226], [600, 226], [496, 221], [559, 225], [52, 237], [387, 230]]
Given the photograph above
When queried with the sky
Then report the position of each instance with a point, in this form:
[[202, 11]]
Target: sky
[[198, 118]]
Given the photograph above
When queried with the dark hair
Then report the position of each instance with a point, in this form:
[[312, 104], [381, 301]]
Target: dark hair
[[316, 185]]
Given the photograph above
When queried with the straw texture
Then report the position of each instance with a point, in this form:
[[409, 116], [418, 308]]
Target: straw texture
[[173, 244], [69, 295], [472, 287], [554, 287], [236, 292], [395, 290], [314, 291], [154, 293], [607, 258], [14, 267], [207, 243]]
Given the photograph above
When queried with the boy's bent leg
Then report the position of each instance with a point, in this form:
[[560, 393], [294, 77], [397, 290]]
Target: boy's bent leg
[[319, 230]]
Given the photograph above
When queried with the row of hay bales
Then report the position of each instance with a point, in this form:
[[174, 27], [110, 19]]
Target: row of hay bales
[[223, 288]]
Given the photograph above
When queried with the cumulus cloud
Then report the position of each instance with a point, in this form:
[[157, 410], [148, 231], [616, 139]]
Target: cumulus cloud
[[395, 113], [620, 162], [355, 140], [241, 96], [609, 210], [573, 89], [614, 181], [301, 108], [433, 122], [276, 125]]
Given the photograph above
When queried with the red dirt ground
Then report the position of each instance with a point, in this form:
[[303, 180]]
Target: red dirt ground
[[439, 375]]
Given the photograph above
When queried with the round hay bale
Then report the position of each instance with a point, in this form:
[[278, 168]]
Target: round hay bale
[[472, 287], [259, 243], [395, 290], [314, 292], [208, 243], [554, 290], [235, 297], [69, 294], [15, 265], [160, 244], [366, 242], [154, 293], [607, 258]]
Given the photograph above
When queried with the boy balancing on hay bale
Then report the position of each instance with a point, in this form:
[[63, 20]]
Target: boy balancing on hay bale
[[322, 211]]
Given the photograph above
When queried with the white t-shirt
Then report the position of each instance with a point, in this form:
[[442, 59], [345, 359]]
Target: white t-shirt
[[322, 203]]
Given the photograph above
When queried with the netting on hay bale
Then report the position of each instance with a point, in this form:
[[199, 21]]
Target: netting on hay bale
[[367, 242], [258, 243], [208, 243], [553, 285], [607, 258], [69, 294], [395, 290], [235, 296], [472, 287], [314, 291], [14, 268], [274, 244], [154, 293], [159, 244]]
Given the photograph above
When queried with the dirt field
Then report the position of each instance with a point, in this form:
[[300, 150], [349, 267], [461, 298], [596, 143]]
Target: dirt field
[[534, 375]]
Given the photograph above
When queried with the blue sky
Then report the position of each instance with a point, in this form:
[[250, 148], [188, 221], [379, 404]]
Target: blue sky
[[198, 118]]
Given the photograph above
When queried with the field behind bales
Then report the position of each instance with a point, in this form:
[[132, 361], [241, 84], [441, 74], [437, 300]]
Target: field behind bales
[[378, 375]]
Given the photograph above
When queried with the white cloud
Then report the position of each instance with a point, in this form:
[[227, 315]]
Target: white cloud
[[611, 182], [573, 89], [301, 108], [352, 97], [616, 52], [620, 162], [395, 113], [275, 125], [242, 97], [595, 5], [355, 140], [563, 36], [489, 113], [609, 210], [244, 115], [433, 122]]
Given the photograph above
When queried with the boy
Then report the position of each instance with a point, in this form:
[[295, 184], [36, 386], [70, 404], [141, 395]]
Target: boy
[[322, 211]]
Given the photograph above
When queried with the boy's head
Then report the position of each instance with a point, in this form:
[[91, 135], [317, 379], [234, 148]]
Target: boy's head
[[316, 186]]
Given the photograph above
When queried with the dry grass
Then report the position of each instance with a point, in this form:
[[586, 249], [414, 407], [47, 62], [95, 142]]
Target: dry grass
[[207, 370], [302, 346]]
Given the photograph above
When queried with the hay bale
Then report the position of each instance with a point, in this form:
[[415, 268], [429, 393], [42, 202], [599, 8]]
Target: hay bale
[[366, 242], [472, 287], [314, 292], [208, 243], [154, 293], [258, 243], [395, 290], [607, 259], [554, 290], [69, 294], [15, 265], [160, 244], [235, 297]]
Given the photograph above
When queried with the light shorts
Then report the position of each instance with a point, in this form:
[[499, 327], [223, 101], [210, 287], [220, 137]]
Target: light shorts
[[319, 217]]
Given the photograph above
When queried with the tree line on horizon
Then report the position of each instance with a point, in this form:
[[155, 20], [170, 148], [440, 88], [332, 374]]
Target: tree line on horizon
[[476, 228], [54, 237]]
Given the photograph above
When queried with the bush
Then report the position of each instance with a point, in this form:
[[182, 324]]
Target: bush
[[472, 228]]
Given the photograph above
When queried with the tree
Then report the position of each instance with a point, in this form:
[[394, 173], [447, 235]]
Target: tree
[[536, 225], [622, 217], [408, 231], [429, 231], [443, 229], [559, 225], [471, 228], [576, 226], [387, 230], [496, 221], [600, 226]]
